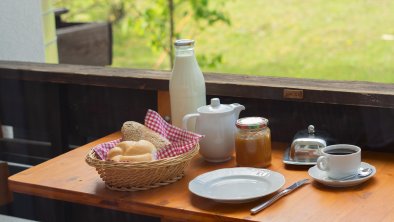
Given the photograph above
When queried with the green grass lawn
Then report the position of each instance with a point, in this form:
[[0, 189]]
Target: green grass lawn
[[337, 40]]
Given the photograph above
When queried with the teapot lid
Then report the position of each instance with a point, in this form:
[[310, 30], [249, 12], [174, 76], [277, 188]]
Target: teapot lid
[[215, 107]]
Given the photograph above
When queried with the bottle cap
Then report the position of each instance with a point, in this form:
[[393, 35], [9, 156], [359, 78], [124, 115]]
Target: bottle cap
[[184, 42]]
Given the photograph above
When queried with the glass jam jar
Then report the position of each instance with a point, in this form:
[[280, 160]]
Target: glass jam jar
[[253, 142]]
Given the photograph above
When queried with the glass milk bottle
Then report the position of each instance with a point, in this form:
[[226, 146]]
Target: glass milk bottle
[[187, 84]]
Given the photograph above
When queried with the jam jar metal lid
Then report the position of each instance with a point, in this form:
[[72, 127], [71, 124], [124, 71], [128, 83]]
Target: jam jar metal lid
[[252, 123]]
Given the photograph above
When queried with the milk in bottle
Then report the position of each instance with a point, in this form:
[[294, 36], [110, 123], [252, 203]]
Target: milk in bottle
[[187, 84]]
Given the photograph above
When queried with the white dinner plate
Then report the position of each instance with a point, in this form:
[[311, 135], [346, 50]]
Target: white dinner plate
[[236, 185], [321, 177]]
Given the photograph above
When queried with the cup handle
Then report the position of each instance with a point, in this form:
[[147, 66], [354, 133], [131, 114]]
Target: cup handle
[[322, 163], [186, 119]]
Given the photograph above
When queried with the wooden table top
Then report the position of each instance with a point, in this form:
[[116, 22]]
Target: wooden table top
[[68, 178]]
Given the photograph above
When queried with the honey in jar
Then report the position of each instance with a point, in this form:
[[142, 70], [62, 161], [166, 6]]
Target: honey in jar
[[253, 142]]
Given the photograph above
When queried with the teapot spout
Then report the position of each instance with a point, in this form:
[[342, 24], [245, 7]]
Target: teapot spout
[[237, 109]]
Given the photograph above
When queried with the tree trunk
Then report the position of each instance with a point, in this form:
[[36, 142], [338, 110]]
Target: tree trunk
[[171, 48]]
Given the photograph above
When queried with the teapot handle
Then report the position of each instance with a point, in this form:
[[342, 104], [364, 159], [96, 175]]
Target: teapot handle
[[186, 119]]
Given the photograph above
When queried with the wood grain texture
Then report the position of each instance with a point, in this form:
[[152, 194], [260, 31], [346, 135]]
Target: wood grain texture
[[5, 193], [69, 178], [1, 131], [163, 103], [261, 87]]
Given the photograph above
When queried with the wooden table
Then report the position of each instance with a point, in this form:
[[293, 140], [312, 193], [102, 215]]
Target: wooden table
[[68, 178]]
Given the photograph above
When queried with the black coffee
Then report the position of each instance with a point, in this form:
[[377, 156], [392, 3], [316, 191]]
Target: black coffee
[[340, 152]]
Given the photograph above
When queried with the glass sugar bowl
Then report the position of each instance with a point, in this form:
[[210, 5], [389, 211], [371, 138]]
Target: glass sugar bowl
[[253, 142]]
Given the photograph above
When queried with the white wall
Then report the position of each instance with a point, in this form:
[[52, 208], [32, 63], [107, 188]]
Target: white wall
[[22, 30]]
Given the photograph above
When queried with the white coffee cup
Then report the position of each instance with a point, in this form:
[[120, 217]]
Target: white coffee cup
[[340, 160]]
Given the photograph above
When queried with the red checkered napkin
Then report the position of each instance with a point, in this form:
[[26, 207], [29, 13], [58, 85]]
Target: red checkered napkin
[[103, 148], [181, 140]]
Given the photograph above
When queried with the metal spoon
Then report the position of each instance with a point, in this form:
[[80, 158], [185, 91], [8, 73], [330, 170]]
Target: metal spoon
[[362, 172]]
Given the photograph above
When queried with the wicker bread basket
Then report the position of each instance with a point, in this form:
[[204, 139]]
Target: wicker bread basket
[[123, 176]]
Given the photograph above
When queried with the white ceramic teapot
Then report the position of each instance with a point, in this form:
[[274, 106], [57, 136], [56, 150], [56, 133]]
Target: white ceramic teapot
[[217, 123]]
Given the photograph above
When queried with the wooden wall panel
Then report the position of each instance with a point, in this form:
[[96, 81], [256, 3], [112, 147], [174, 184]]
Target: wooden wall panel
[[5, 194], [370, 128], [93, 111]]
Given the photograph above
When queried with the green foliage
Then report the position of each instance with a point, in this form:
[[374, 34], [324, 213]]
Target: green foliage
[[150, 20], [210, 61], [318, 39], [202, 12]]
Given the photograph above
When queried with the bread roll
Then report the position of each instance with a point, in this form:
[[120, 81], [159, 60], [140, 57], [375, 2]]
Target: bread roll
[[135, 131], [140, 147], [114, 152], [116, 158], [125, 145], [137, 158], [131, 151]]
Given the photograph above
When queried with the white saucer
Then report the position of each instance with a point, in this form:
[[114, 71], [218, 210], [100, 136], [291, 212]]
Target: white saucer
[[236, 185], [321, 176]]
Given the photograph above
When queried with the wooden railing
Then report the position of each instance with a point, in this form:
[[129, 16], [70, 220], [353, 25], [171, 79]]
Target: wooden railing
[[54, 107], [257, 87]]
